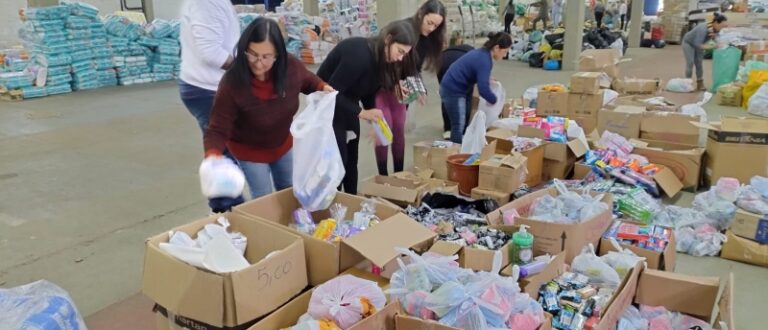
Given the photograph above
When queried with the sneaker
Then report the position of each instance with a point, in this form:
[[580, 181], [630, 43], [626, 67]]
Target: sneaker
[[446, 135]]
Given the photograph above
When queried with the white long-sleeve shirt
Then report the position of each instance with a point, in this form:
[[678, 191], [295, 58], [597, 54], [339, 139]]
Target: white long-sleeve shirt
[[209, 32], [623, 9]]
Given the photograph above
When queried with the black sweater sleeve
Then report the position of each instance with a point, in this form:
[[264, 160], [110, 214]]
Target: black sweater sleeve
[[345, 69]]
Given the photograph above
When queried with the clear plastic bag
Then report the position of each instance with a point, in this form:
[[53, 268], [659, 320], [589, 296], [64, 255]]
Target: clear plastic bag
[[598, 271], [343, 300], [752, 200], [39, 305], [623, 261], [318, 168], [493, 111], [632, 320], [221, 177], [681, 85], [549, 209], [699, 241], [474, 141], [760, 184], [714, 207], [758, 103]]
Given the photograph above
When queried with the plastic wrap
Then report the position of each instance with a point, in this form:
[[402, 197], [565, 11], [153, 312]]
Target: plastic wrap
[[493, 111], [474, 138], [700, 240], [623, 261], [632, 320], [346, 300], [598, 271], [221, 177], [39, 305]]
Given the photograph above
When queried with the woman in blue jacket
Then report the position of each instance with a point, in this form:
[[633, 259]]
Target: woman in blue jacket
[[473, 68]]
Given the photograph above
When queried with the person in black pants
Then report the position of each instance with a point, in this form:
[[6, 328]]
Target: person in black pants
[[450, 55], [358, 67], [509, 16]]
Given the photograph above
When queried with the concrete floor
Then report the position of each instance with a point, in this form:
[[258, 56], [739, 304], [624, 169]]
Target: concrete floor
[[86, 177]]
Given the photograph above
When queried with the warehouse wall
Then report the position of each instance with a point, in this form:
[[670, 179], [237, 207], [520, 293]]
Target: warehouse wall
[[9, 19]]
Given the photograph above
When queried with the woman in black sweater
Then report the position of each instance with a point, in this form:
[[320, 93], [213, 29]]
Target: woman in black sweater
[[358, 68], [429, 29]]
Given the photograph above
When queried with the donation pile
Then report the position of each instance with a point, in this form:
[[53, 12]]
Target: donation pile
[[214, 248], [340, 303], [337, 227], [649, 237], [162, 38], [434, 287], [131, 58], [45, 36]]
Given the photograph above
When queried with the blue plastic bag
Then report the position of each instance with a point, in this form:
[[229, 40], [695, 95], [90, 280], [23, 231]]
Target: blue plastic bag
[[40, 305]]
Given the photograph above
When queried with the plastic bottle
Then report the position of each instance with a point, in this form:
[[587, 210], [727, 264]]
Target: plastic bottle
[[522, 246], [534, 267]]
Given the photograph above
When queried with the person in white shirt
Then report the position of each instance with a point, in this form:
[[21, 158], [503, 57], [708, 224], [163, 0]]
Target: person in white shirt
[[623, 14], [209, 33]]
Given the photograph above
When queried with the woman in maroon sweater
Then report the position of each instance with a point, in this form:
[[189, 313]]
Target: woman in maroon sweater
[[255, 105]]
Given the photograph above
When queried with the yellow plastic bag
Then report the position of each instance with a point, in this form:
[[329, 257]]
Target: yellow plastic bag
[[756, 79], [545, 48], [556, 54]]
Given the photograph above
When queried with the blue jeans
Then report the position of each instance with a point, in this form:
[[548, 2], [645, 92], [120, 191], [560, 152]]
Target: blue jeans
[[199, 102], [261, 176], [456, 106]]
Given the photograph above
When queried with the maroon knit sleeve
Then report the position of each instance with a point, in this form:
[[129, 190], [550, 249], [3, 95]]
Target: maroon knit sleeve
[[310, 82], [221, 121]]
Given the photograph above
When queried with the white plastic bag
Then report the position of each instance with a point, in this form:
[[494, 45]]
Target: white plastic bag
[[221, 177], [623, 261], [598, 271], [39, 305], [493, 111], [758, 103], [681, 85], [697, 109], [317, 166], [609, 95], [341, 300], [618, 44], [474, 138]]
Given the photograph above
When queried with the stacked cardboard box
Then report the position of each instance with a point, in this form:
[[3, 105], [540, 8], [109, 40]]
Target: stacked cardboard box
[[675, 20], [500, 176], [585, 99]]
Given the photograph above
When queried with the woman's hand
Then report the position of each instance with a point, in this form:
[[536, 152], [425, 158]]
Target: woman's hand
[[328, 88], [371, 114], [423, 100]]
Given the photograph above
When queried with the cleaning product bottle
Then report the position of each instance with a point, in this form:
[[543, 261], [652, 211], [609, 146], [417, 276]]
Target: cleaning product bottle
[[522, 246]]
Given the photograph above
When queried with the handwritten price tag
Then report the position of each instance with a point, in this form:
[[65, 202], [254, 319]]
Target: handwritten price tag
[[273, 273]]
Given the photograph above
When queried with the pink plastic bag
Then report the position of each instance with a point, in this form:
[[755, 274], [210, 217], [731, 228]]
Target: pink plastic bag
[[339, 300]]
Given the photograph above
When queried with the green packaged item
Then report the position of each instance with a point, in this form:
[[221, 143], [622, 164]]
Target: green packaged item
[[521, 249], [725, 66], [632, 207]]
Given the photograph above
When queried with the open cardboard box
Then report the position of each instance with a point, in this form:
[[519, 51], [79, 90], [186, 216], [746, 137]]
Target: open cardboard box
[[402, 192], [501, 198], [683, 160], [750, 225], [433, 185], [636, 86], [600, 60], [288, 315], [231, 299], [427, 157], [664, 260], [692, 295], [586, 83], [745, 250], [670, 127], [553, 238], [737, 147], [326, 259], [503, 173], [406, 322], [472, 258], [535, 156], [561, 152], [532, 284], [552, 104], [623, 120]]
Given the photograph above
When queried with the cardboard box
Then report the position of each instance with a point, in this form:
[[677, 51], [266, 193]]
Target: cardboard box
[[561, 152], [729, 95], [505, 146], [229, 299], [631, 86], [684, 161], [581, 170], [741, 249], [402, 192], [532, 284], [669, 127], [427, 157], [692, 295], [288, 315], [432, 185], [623, 120], [472, 258], [503, 173], [553, 238], [664, 260], [552, 104], [585, 83], [554, 169], [665, 178], [500, 197], [325, 259], [736, 147], [600, 60], [589, 124], [585, 105], [750, 225]]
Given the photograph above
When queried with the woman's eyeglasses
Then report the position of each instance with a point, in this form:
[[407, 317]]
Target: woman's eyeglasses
[[264, 58]]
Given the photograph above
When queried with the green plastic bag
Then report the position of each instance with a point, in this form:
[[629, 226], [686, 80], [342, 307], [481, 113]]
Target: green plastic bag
[[725, 66], [520, 9]]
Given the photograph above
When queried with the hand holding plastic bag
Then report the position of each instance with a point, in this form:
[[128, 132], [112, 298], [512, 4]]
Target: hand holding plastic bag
[[474, 138], [221, 177], [318, 168]]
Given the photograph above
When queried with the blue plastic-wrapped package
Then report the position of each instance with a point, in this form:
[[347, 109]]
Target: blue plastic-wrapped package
[[46, 13], [55, 89], [176, 25], [54, 60], [42, 26], [84, 54], [164, 76], [149, 42], [86, 85], [159, 28], [18, 65], [82, 9], [103, 63], [33, 92], [75, 34], [60, 79], [39, 305], [16, 80], [166, 59], [162, 68], [59, 70], [57, 49], [82, 66], [77, 22]]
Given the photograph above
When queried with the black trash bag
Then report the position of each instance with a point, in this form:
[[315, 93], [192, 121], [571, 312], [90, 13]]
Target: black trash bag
[[448, 201], [609, 36], [555, 38], [558, 46], [536, 60], [659, 43]]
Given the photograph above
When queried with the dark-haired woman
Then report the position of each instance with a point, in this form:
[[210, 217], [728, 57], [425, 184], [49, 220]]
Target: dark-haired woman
[[473, 68], [255, 105], [694, 44], [429, 26], [358, 68]]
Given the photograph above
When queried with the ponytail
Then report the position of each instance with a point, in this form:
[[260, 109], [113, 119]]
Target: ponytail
[[719, 18], [501, 39]]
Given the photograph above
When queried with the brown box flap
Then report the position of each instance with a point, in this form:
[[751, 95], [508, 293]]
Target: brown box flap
[[287, 315], [694, 295], [668, 182], [445, 248], [378, 243], [392, 188], [725, 305]]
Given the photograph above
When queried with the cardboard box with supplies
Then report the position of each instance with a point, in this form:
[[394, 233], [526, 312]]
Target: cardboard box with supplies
[[729, 95], [552, 104], [736, 147], [553, 238], [623, 120], [670, 127], [288, 315], [476, 259], [665, 178], [535, 156], [744, 250], [277, 272], [683, 160], [585, 83], [585, 105], [629, 86], [561, 152], [503, 173], [600, 60], [402, 192], [750, 225], [433, 185], [327, 259], [692, 295], [432, 155], [500, 197], [554, 169], [532, 284], [664, 260]]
